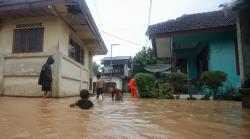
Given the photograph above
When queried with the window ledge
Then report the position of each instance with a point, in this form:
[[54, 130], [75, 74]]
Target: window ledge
[[27, 55]]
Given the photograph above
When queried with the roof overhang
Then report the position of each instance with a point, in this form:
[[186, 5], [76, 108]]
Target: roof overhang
[[194, 31], [74, 12], [162, 45]]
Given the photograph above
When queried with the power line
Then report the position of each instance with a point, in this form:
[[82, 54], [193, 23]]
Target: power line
[[149, 18], [98, 15], [115, 36]]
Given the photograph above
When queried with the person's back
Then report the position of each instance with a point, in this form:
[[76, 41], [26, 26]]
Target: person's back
[[99, 88], [83, 103], [100, 83]]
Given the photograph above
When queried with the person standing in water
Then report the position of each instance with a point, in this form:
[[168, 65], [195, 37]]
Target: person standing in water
[[133, 88], [45, 79], [99, 88]]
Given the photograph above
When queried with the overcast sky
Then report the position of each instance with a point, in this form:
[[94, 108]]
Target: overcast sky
[[128, 19]]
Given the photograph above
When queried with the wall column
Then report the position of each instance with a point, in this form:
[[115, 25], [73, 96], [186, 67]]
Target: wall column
[[56, 73], [243, 35], [90, 71], [1, 73]]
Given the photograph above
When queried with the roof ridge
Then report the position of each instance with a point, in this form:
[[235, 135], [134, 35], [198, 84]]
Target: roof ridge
[[193, 21], [185, 15]]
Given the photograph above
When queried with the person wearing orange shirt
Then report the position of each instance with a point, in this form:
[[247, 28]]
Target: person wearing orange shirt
[[133, 88]]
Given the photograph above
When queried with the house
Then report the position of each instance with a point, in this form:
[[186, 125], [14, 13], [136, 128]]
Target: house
[[119, 71], [199, 42], [32, 30]]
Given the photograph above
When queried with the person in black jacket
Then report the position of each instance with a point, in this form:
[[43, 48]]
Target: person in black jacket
[[45, 79], [83, 103]]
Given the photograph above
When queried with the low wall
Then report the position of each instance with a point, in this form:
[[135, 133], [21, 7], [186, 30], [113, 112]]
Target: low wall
[[19, 74]]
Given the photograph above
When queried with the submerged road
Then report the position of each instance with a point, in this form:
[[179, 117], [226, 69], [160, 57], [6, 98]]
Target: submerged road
[[133, 118]]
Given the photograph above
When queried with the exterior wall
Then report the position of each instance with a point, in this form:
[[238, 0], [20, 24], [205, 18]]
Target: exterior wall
[[74, 77], [221, 53], [19, 72], [118, 81], [222, 56]]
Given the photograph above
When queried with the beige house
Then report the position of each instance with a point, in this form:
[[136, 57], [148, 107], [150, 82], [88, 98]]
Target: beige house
[[32, 30]]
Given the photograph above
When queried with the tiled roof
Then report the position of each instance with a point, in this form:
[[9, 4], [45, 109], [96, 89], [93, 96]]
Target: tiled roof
[[116, 58], [194, 22]]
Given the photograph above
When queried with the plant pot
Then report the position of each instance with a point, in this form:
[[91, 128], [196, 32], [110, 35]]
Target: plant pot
[[245, 97]]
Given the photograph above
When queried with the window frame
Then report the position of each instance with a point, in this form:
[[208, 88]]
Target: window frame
[[81, 52], [27, 40]]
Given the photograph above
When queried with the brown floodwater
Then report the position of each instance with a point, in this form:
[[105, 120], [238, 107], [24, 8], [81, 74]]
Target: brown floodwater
[[133, 118]]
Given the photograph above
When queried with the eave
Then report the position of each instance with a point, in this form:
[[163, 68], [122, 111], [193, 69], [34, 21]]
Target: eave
[[81, 23]]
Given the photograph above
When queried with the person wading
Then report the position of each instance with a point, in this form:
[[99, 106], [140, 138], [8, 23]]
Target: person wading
[[45, 79], [99, 88]]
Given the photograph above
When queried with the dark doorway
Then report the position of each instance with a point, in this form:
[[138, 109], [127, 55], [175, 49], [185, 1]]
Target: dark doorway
[[181, 64], [202, 62]]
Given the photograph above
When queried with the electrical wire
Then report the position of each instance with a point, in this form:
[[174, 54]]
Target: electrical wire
[[125, 40], [98, 15], [149, 17]]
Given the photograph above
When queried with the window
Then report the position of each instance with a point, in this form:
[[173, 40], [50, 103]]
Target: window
[[28, 40], [76, 51]]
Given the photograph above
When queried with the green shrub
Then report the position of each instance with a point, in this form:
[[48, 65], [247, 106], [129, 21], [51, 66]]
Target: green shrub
[[146, 85], [165, 91], [178, 81], [229, 92], [213, 80], [192, 90]]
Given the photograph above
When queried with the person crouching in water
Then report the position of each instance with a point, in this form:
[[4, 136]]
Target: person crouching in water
[[84, 102], [45, 78], [99, 88], [116, 93]]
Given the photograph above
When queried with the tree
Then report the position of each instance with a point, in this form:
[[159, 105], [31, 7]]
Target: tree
[[142, 59], [96, 68]]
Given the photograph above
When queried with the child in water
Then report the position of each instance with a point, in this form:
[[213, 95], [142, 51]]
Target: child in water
[[83, 103], [116, 93]]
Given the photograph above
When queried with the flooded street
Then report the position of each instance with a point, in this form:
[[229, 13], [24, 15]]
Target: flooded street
[[132, 118]]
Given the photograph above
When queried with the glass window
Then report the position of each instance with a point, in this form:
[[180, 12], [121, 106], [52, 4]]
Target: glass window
[[76, 52], [28, 40]]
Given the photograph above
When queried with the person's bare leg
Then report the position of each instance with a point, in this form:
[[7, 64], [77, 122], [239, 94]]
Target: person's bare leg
[[48, 94], [102, 96], [45, 94]]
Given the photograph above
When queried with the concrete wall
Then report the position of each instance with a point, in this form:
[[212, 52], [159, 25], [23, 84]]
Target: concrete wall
[[19, 72], [74, 77], [222, 56]]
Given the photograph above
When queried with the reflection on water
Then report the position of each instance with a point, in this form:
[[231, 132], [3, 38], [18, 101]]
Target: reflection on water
[[132, 118]]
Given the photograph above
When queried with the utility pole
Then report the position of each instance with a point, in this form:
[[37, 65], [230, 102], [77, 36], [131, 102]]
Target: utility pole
[[111, 58]]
